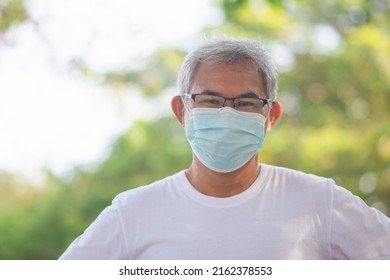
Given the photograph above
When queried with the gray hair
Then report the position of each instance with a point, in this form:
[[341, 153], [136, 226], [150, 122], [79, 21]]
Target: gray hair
[[229, 51]]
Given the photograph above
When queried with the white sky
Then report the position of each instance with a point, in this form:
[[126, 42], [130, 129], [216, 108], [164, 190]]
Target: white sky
[[52, 116]]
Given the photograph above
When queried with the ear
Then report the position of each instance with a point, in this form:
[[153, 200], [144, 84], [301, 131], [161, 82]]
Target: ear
[[274, 114], [178, 108]]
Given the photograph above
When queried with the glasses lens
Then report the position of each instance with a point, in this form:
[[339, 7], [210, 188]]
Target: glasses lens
[[208, 101], [248, 104]]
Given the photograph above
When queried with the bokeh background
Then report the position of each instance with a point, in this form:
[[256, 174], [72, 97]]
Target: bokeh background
[[85, 89]]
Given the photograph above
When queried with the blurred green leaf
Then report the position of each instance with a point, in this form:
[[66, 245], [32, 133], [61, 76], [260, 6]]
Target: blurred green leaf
[[334, 91], [11, 13]]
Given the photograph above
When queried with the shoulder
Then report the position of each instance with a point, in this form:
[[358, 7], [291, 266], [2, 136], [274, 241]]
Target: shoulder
[[299, 186], [305, 185], [151, 193], [291, 177]]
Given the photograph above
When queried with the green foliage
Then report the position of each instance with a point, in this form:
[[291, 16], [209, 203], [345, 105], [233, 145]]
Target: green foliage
[[11, 12], [336, 100], [149, 151], [41, 223], [149, 75], [336, 109]]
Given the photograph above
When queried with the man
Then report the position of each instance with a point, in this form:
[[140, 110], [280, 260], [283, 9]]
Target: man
[[226, 205]]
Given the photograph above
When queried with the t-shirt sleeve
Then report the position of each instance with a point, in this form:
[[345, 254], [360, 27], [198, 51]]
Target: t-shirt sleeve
[[357, 230], [102, 240]]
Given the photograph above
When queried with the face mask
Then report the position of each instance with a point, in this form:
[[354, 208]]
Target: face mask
[[224, 139]]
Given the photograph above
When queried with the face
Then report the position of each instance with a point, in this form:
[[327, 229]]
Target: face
[[229, 81]]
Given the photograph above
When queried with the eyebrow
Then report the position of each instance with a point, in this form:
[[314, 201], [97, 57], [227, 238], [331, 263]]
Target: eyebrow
[[245, 94]]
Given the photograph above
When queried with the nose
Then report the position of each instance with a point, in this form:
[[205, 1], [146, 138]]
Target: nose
[[231, 102]]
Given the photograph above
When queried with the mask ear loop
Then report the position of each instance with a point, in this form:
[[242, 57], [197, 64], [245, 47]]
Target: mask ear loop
[[185, 110], [183, 99], [267, 117], [269, 104]]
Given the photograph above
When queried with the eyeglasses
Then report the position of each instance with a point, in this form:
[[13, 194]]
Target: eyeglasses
[[246, 104]]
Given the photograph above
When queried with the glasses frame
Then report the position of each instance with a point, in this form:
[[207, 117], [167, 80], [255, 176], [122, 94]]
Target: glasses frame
[[265, 101]]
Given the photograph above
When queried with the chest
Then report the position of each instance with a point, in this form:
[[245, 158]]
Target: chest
[[227, 234]]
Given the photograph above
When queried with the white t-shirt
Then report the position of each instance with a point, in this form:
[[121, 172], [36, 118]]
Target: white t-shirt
[[285, 214]]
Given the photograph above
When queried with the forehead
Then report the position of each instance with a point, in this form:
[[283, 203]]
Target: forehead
[[228, 79]]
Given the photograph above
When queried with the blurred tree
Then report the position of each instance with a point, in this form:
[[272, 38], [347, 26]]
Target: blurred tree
[[334, 59], [40, 225], [334, 62], [11, 12], [156, 73]]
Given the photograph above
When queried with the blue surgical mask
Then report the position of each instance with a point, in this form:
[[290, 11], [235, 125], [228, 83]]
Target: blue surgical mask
[[224, 139]]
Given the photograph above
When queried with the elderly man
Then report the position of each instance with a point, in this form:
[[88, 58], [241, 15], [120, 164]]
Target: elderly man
[[226, 205]]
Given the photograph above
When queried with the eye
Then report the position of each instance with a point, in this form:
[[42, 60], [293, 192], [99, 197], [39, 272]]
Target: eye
[[248, 102], [209, 100]]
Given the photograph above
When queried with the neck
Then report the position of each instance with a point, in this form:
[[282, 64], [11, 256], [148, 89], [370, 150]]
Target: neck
[[217, 184]]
